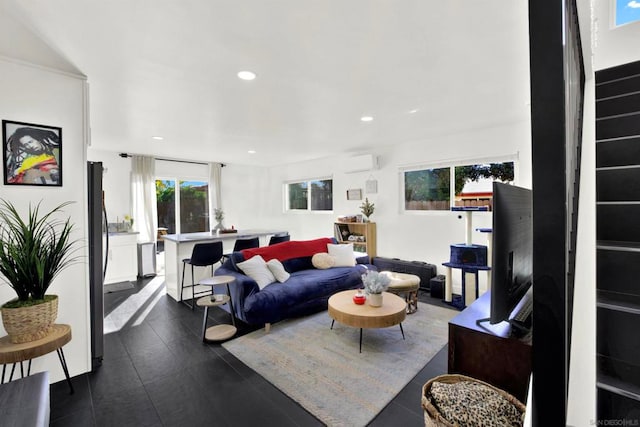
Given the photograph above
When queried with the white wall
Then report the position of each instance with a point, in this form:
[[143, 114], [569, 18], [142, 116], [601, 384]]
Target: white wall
[[416, 236], [581, 397], [252, 197], [244, 196], [116, 182], [612, 45], [581, 406], [39, 95]]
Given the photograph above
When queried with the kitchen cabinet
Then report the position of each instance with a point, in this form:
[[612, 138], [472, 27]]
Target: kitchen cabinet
[[122, 258]]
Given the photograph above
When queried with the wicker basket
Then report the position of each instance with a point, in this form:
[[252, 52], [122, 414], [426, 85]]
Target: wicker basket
[[25, 324], [432, 416]]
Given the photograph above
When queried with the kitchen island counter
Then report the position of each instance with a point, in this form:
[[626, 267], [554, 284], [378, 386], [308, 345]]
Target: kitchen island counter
[[179, 246]]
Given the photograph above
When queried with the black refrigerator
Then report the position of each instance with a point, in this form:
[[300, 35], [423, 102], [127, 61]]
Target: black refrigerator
[[97, 261]]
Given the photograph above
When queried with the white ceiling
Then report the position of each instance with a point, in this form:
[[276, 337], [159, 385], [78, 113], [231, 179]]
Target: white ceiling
[[169, 68]]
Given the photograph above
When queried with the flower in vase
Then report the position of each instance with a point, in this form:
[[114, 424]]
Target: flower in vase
[[374, 282]]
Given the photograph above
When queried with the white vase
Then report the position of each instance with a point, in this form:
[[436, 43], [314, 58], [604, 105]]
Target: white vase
[[375, 300]]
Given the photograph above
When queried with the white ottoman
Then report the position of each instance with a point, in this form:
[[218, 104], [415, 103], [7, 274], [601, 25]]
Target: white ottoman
[[407, 285]]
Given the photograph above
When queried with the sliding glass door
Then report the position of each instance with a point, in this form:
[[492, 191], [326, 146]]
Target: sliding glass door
[[182, 208], [194, 206]]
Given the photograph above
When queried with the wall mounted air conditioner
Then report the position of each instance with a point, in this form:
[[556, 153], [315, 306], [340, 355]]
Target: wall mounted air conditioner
[[361, 163]]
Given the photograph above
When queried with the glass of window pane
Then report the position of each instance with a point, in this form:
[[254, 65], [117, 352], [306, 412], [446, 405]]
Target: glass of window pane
[[166, 200], [297, 195], [322, 195], [474, 183], [194, 206], [427, 189]]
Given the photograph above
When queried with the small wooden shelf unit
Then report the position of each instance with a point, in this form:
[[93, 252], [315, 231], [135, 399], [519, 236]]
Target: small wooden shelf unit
[[365, 232]]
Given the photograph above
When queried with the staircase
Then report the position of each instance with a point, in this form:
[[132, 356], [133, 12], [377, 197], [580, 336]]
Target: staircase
[[618, 246]]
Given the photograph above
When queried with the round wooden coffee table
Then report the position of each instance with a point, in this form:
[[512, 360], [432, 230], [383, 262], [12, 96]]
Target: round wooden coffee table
[[344, 310]]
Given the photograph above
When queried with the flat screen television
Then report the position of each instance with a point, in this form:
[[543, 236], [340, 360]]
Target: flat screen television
[[512, 249]]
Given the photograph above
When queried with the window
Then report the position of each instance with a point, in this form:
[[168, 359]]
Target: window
[[427, 190], [191, 204], [627, 11], [166, 201], [194, 207], [433, 189], [315, 195]]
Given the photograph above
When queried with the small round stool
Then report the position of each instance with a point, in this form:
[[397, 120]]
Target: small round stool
[[407, 284], [223, 331]]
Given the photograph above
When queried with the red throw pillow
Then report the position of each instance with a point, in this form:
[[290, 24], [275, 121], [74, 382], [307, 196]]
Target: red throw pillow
[[288, 250]]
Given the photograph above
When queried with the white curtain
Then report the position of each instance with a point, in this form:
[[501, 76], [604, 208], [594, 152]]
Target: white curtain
[[215, 199], [143, 198]]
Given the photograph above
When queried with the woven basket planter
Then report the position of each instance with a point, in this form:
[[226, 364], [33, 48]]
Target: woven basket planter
[[433, 417], [25, 324]]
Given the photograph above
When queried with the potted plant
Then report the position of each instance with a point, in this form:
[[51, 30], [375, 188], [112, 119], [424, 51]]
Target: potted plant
[[33, 251], [219, 216], [374, 285], [367, 209]]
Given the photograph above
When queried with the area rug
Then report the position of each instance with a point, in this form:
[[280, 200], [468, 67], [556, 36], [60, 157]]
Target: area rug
[[323, 371]]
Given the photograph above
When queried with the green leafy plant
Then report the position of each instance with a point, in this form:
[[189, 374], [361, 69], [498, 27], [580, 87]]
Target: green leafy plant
[[33, 250], [218, 214], [367, 208], [374, 282]]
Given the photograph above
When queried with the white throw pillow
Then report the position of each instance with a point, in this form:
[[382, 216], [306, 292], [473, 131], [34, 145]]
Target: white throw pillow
[[343, 254], [257, 269], [278, 271], [323, 260]]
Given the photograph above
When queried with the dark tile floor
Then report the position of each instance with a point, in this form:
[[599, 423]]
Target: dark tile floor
[[159, 373]]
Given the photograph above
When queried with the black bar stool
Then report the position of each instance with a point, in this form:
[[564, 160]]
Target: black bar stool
[[274, 240], [244, 243], [203, 254]]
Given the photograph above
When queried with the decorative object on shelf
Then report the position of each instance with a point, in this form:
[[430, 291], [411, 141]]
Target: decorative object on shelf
[[367, 208], [33, 251], [227, 230], [354, 194], [219, 216], [128, 223], [374, 285], [359, 298], [343, 232]]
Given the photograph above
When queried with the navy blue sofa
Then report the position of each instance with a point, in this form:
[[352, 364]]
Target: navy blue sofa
[[305, 292]]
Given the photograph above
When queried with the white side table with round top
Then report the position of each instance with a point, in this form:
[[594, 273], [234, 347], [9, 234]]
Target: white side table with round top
[[217, 332]]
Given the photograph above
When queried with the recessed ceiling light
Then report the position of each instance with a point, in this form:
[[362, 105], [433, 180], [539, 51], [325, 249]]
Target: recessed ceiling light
[[366, 118], [246, 75], [157, 138], [413, 111], [251, 151]]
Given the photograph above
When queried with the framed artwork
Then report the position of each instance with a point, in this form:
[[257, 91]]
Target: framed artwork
[[32, 154], [371, 186], [354, 194]]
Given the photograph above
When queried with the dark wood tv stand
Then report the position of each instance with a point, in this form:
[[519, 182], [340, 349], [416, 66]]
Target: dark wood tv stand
[[489, 352]]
